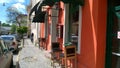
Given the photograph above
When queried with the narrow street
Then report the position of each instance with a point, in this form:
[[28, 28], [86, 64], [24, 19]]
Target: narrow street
[[30, 56]]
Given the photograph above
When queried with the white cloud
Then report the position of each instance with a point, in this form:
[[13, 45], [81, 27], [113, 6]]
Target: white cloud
[[19, 6]]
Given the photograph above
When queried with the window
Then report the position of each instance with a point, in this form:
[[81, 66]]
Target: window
[[1, 50], [75, 28], [7, 38], [72, 27]]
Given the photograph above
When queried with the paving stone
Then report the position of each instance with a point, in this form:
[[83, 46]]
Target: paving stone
[[32, 57]]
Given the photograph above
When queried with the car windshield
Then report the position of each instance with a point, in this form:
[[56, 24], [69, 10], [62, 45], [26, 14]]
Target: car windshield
[[7, 38]]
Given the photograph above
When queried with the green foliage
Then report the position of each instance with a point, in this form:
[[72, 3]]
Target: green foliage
[[22, 29], [13, 28], [15, 16], [5, 24], [12, 13]]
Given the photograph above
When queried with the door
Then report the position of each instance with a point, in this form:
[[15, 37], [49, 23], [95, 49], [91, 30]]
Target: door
[[113, 35]]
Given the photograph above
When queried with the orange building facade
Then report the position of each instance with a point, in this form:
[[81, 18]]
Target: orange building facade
[[87, 23], [93, 32]]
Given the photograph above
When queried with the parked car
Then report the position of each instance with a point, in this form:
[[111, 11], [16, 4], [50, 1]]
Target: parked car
[[6, 56], [18, 37], [11, 41]]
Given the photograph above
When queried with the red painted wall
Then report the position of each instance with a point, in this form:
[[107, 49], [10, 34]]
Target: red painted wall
[[61, 13], [42, 30], [60, 22], [102, 25], [49, 27], [93, 39]]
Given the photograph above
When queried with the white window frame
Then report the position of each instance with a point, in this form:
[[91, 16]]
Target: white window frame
[[80, 29], [66, 26]]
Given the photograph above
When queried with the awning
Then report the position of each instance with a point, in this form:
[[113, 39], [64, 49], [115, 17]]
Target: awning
[[39, 14], [33, 9], [77, 2], [39, 17], [38, 7]]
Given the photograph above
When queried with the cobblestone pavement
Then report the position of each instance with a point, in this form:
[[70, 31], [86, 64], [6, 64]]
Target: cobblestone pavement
[[32, 57]]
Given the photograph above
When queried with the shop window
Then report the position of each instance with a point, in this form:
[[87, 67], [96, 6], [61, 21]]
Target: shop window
[[75, 16], [75, 28], [1, 50]]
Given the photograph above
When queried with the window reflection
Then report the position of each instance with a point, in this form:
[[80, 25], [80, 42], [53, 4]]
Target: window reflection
[[74, 28]]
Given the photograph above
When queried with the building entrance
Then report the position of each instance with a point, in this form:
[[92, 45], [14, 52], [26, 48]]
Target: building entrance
[[113, 34]]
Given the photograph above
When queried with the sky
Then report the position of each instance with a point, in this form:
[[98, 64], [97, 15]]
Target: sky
[[19, 4]]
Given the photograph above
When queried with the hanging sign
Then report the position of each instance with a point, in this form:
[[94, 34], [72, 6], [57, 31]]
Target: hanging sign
[[118, 34]]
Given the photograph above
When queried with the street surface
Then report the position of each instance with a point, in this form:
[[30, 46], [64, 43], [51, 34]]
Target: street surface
[[30, 56]]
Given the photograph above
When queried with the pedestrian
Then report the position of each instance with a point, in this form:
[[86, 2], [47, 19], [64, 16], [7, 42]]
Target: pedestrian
[[32, 36]]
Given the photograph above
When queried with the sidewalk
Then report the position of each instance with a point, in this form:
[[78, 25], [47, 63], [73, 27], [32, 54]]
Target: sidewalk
[[32, 57]]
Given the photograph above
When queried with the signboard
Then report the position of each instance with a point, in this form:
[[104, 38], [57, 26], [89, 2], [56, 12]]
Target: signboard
[[118, 34]]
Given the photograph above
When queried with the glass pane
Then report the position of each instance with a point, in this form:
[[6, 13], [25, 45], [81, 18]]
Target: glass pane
[[0, 50], [115, 40], [74, 26]]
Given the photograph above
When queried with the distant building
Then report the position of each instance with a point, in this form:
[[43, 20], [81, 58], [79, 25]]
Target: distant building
[[22, 20], [34, 26], [5, 30]]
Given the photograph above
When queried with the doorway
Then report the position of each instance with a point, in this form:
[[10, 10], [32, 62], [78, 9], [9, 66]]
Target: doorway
[[113, 40]]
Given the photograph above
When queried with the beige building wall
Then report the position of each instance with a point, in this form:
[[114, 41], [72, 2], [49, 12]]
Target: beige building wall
[[35, 26]]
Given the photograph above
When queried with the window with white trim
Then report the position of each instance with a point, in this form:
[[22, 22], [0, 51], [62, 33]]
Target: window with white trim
[[75, 28], [73, 25]]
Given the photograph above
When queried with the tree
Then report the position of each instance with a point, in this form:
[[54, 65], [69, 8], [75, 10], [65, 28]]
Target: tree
[[12, 14], [15, 16], [5, 24], [13, 28], [22, 19], [22, 30]]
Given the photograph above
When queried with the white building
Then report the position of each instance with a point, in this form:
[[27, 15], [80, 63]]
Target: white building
[[34, 25]]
